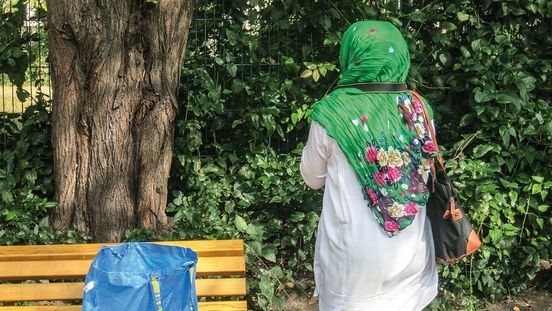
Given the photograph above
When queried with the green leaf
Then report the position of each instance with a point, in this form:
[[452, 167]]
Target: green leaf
[[277, 271], [311, 66], [540, 222], [513, 196], [549, 128], [465, 52], [7, 197], [44, 223], [297, 216], [505, 134], [481, 150], [322, 70], [529, 130], [482, 96], [240, 224], [476, 44], [307, 73], [269, 253], [232, 37], [232, 69], [315, 75], [443, 58], [462, 16], [536, 188], [396, 21], [495, 234], [509, 99], [22, 94], [256, 232], [466, 120], [448, 26], [418, 16]]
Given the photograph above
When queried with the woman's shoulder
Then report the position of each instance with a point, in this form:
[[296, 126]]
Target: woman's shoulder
[[325, 102]]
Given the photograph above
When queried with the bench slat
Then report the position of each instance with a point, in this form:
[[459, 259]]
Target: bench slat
[[62, 269], [73, 291], [209, 248], [203, 306]]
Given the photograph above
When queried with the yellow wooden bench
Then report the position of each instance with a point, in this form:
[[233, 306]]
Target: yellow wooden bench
[[61, 269]]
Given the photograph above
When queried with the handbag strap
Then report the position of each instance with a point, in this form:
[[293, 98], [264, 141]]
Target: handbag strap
[[440, 163]]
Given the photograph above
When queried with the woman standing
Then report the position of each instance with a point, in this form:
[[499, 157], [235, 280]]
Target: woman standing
[[369, 147]]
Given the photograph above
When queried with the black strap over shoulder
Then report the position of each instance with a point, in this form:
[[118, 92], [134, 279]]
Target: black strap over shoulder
[[376, 87]]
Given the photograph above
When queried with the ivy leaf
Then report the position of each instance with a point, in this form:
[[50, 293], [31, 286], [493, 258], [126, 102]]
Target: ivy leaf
[[240, 224], [462, 16], [307, 73], [269, 253], [323, 70], [540, 222], [396, 21], [232, 69], [7, 197], [232, 37], [449, 26], [315, 75], [481, 150], [505, 134]]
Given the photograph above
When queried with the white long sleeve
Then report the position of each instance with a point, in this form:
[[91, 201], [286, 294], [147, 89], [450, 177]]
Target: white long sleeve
[[314, 159]]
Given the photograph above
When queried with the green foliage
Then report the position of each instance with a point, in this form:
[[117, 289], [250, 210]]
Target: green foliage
[[14, 40], [26, 180], [485, 69]]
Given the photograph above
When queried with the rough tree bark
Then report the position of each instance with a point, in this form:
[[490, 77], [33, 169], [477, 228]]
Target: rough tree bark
[[115, 72]]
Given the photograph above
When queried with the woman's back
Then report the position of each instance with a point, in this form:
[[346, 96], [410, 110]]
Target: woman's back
[[372, 151], [357, 265]]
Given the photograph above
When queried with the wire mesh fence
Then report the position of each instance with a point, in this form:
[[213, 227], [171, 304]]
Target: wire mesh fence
[[207, 44], [37, 78], [207, 24]]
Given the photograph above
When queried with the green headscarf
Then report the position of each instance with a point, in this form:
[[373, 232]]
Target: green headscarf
[[383, 135]]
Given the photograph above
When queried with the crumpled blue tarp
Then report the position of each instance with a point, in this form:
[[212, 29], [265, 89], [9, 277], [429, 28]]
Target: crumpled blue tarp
[[141, 276]]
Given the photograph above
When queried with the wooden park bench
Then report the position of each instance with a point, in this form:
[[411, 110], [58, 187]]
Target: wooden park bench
[[61, 269]]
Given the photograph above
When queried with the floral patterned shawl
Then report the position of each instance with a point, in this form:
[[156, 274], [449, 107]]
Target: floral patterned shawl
[[383, 135]]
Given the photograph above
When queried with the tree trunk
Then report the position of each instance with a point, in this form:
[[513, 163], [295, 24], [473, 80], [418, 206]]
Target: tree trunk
[[115, 71]]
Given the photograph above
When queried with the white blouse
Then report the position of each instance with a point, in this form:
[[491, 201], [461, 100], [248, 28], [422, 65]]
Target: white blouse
[[357, 266]]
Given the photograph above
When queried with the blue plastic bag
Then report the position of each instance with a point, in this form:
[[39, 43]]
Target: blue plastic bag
[[141, 277]]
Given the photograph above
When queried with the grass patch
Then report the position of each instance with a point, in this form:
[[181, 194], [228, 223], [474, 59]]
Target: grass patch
[[9, 103]]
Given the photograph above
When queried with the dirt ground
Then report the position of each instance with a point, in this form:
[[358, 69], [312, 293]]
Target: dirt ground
[[532, 300]]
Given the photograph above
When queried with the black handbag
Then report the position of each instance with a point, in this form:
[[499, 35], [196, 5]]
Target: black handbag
[[453, 234]]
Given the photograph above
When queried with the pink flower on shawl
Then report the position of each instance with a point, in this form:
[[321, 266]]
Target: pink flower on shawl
[[391, 225], [363, 119], [373, 196], [410, 209], [371, 154], [429, 147], [393, 174], [379, 177], [417, 105], [418, 188]]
